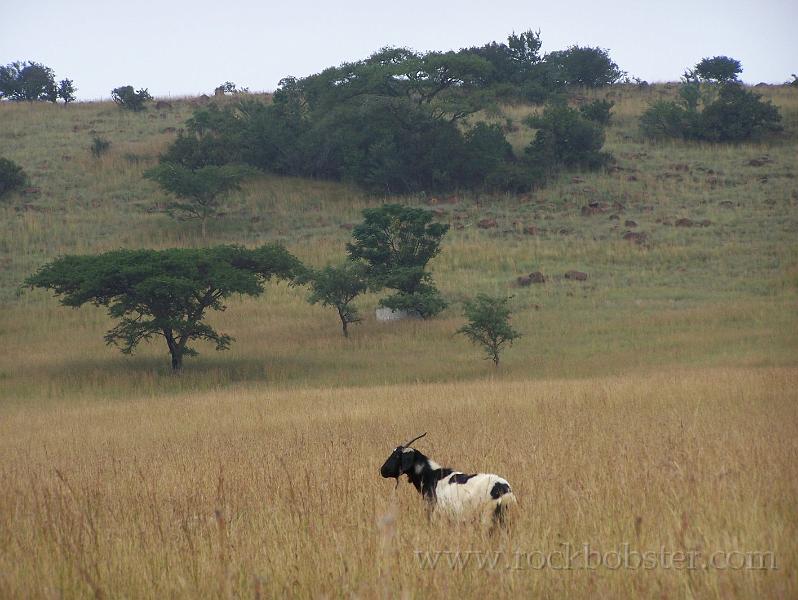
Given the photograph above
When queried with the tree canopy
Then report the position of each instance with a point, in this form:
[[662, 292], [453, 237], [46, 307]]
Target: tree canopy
[[164, 293]]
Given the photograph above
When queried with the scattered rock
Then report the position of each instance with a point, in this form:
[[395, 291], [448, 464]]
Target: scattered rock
[[487, 224], [615, 218], [713, 180], [523, 281], [631, 178], [704, 223], [30, 191], [638, 238], [459, 226], [594, 208], [577, 180], [629, 223], [680, 167], [667, 222], [684, 222], [726, 204], [618, 206], [347, 226], [162, 104], [537, 277], [576, 276], [530, 230]]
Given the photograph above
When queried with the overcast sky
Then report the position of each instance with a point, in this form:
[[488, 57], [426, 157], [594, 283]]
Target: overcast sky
[[180, 47]]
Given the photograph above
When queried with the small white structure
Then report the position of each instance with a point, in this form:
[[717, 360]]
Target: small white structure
[[389, 314]]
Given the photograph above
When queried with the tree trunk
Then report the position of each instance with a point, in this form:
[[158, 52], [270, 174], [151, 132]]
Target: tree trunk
[[204, 220], [343, 324], [175, 351]]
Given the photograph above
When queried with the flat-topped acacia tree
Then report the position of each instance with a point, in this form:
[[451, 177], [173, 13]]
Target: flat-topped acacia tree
[[165, 292]]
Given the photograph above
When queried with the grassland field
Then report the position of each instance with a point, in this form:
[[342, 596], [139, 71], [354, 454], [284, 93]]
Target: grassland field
[[652, 405]]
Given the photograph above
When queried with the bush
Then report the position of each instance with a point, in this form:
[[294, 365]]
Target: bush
[[489, 325], [12, 176], [126, 97], [735, 115], [598, 111], [565, 138], [99, 146], [66, 90]]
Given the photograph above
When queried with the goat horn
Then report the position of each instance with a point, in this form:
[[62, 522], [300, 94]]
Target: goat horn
[[414, 439]]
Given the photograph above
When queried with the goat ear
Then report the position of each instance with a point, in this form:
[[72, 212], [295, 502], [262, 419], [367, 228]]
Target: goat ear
[[408, 458]]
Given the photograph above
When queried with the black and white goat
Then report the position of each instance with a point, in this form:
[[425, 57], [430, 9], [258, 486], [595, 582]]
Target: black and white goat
[[452, 493]]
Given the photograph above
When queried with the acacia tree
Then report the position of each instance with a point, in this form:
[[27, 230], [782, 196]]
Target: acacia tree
[[338, 286], [489, 325], [198, 193], [396, 242], [29, 81], [164, 293]]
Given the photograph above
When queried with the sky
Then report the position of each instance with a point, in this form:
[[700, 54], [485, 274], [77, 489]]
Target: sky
[[182, 47]]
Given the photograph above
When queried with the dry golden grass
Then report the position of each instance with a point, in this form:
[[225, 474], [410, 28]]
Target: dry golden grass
[[255, 492]]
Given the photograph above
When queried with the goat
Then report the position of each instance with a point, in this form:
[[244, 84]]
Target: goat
[[453, 493]]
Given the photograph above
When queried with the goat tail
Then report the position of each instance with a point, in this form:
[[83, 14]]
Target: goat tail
[[504, 506]]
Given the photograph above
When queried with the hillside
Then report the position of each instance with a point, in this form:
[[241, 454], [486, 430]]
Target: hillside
[[652, 404], [714, 295]]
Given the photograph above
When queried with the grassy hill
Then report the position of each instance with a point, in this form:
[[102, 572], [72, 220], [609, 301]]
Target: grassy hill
[[663, 387]]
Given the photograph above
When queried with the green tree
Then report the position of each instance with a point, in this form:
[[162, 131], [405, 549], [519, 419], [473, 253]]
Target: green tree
[[489, 325], [198, 193], [583, 66], [337, 287], [29, 81], [66, 90], [130, 99], [396, 242], [718, 69], [164, 293], [12, 176]]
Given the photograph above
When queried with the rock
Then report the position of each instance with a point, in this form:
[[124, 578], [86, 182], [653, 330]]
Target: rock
[[537, 277], [726, 204], [577, 180], [594, 208], [576, 276], [347, 226], [631, 178], [30, 191], [523, 281], [162, 104], [684, 222], [487, 224], [704, 223], [615, 218], [459, 226], [680, 167], [638, 238], [629, 223]]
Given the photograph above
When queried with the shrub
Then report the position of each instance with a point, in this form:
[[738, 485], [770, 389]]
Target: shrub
[[735, 115], [489, 325], [565, 138], [126, 97], [12, 176], [598, 111], [99, 146]]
